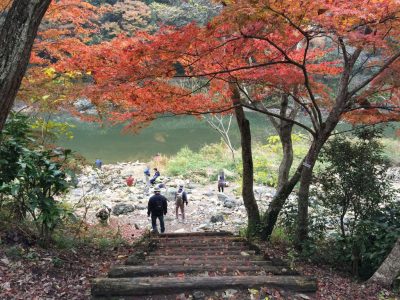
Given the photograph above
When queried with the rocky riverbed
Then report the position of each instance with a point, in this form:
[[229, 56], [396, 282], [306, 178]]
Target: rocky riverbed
[[207, 209]]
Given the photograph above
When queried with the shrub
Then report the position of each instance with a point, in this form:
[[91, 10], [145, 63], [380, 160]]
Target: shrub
[[359, 200], [31, 176]]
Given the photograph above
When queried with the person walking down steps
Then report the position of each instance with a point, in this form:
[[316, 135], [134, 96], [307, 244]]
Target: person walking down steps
[[180, 201], [157, 208]]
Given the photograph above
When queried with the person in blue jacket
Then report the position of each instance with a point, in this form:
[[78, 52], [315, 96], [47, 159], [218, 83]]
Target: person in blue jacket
[[98, 163]]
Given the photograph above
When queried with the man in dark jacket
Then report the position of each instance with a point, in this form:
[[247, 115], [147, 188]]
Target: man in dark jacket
[[157, 207]]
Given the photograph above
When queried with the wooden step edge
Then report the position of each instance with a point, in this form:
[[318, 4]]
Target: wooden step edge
[[199, 257], [209, 239], [144, 271], [163, 285], [195, 234], [200, 252], [215, 263]]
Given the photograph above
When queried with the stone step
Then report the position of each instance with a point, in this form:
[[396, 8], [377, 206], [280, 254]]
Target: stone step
[[141, 286], [143, 271], [194, 234]]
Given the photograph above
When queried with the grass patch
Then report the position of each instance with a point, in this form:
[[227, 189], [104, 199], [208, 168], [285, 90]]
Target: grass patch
[[204, 164]]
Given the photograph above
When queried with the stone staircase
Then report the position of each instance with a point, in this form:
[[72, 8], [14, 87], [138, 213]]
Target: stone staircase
[[200, 266]]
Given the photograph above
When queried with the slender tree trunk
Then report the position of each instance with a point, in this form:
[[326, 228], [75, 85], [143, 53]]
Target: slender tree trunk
[[249, 200], [17, 35], [306, 177], [285, 185], [275, 207], [304, 191], [285, 136], [390, 268]]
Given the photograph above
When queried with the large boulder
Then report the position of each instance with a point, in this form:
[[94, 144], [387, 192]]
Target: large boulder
[[222, 197], [229, 203], [264, 191], [209, 193], [217, 218], [122, 209], [170, 193]]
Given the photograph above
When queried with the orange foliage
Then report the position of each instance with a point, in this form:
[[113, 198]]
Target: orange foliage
[[270, 46]]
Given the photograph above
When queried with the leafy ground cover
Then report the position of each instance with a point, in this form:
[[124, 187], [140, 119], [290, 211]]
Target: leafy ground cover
[[64, 270], [332, 284]]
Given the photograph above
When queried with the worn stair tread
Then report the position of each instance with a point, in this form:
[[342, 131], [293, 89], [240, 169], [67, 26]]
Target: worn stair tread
[[237, 256], [195, 234], [166, 285], [200, 252], [210, 262], [232, 241], [201, 245], [142, 271]]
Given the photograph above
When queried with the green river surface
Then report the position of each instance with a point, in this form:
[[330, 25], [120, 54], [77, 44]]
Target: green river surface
[[165, 136]]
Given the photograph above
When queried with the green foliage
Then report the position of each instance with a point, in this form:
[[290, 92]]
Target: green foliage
[[31, 177], [204, 164], [49, 130], [267, 157], [14, 252], [280, 236], [359, 201]]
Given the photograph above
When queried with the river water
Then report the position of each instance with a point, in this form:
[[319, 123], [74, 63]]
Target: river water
[[166, 136]]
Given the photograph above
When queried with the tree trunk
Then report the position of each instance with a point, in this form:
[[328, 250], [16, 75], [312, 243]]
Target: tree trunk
[[390, 268], [249, 200], [275, 207], [285, 186], [17, 35], [306, 178], [285, 136], [304, 191]]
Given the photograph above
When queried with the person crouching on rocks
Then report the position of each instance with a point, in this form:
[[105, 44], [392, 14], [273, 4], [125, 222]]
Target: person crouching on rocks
[[155, 176], [180, 200], [157, 207]]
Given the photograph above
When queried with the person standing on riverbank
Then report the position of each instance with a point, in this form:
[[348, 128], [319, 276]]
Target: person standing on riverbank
[[180, 201], [221, 184], [98, 163], [157, 208]]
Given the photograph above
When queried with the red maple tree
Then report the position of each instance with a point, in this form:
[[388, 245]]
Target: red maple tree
[[333, 59]]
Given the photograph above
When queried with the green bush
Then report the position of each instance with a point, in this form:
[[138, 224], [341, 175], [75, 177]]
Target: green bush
[[359, 200], [31, 176]]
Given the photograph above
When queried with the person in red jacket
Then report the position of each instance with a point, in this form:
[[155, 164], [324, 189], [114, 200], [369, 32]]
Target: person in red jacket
[[130, 181]]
